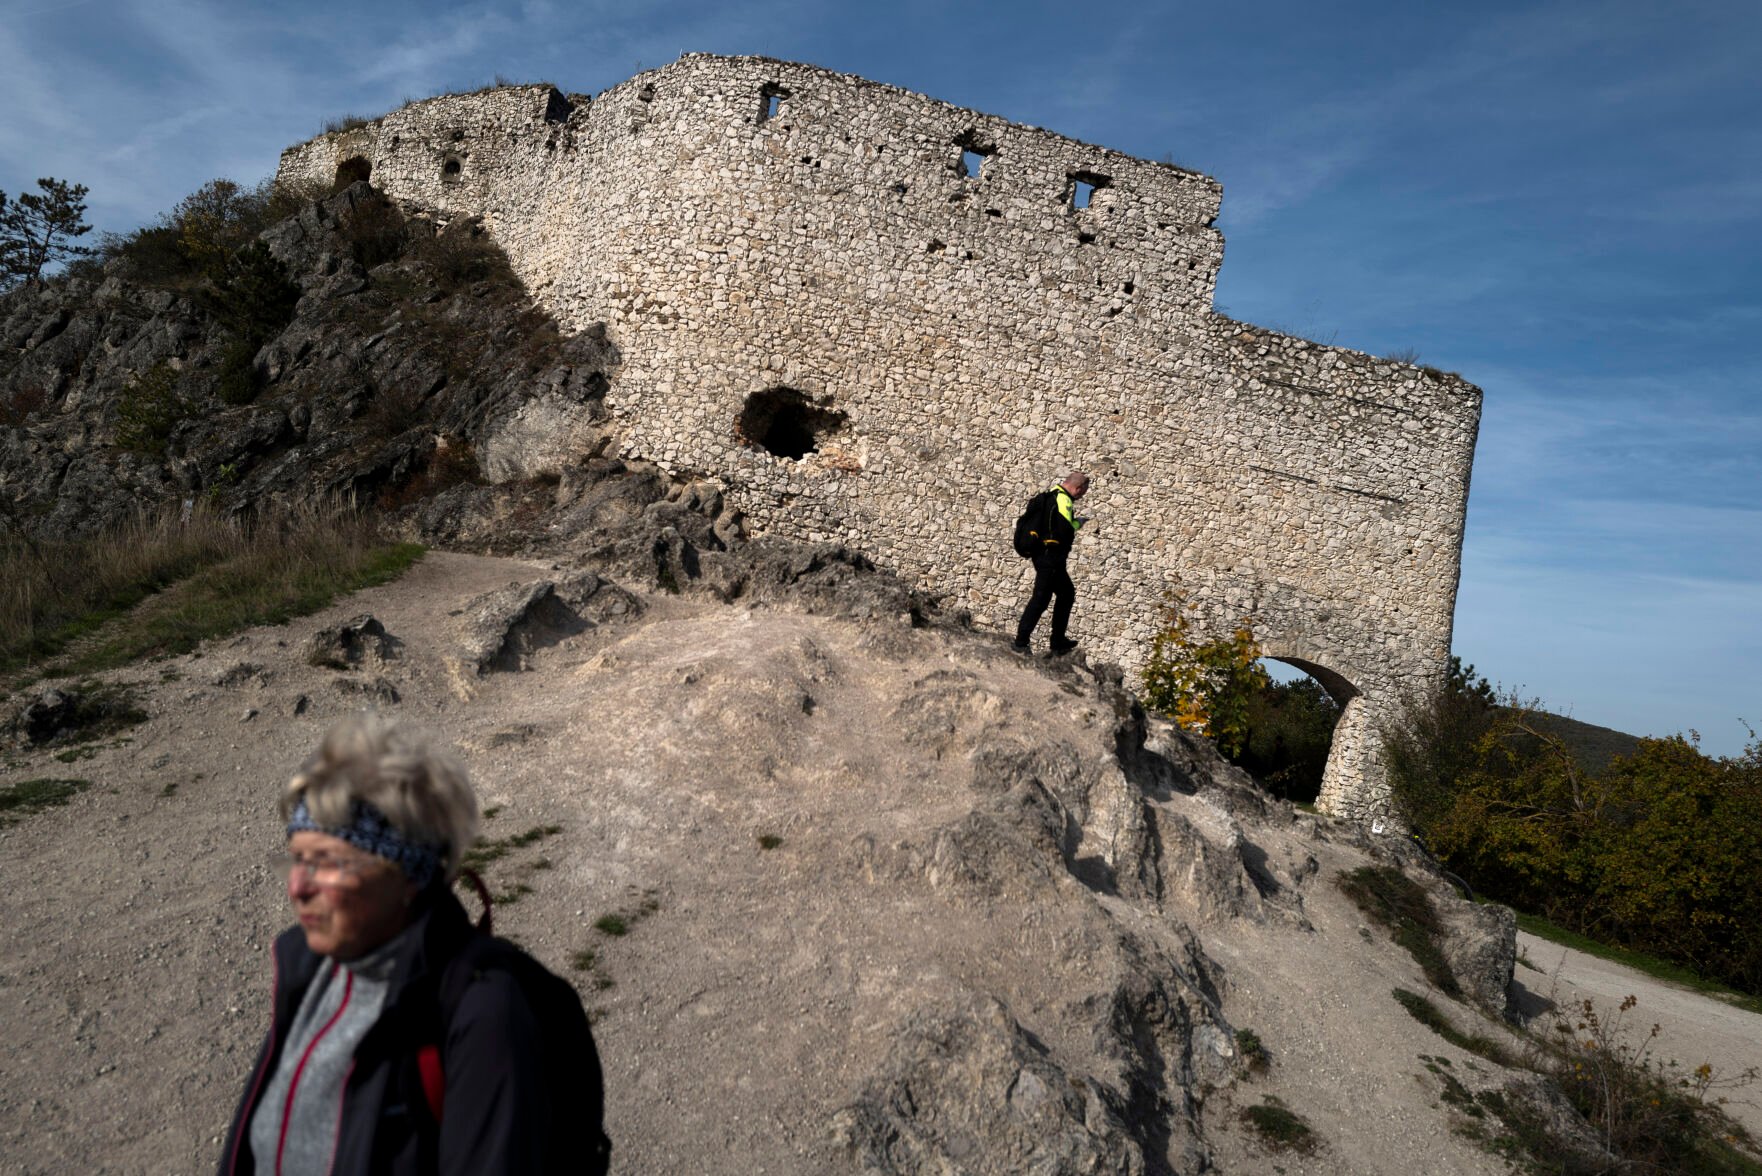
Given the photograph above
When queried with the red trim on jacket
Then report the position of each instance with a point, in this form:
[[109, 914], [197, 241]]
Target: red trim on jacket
[[294, 1083]]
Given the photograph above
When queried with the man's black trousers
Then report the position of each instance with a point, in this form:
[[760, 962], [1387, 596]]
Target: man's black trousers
[[1051, 583]]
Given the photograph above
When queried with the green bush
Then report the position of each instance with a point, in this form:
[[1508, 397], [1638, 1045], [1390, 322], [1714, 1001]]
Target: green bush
[[148, 410], [1204, 684], [1655, 853], [237, 379], [195, 240]]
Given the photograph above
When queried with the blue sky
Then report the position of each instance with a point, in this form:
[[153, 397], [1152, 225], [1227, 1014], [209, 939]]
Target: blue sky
[[1561, 201]]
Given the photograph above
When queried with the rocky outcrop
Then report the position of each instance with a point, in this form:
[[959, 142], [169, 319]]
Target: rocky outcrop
[[413, 361]]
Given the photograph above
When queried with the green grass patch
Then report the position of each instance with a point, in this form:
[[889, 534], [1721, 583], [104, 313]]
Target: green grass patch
[[33, 796], [1639, 961], [1433, 1018], [1394, 900], [161, 584], [769, 841], [613, 925], [1281, 1129], [494, 849]]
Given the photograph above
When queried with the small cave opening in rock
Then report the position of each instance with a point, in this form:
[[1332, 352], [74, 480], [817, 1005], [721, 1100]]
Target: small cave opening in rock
[[351, 170], [786, 422]]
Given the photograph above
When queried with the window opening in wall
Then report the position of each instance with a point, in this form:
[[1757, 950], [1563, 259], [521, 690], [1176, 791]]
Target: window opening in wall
[[785, 422], [352, 169], [1084, 185], [451, 168], [771, 97], [974, 153]]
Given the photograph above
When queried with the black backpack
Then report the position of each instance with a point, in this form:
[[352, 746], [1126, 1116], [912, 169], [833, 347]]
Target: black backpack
[[1034, 528], [571, 1062]]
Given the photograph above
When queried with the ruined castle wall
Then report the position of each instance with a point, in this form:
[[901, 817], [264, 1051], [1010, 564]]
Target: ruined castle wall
[[743, 225]]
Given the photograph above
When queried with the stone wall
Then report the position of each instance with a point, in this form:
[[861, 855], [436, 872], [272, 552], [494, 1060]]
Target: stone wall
[[941, 312]]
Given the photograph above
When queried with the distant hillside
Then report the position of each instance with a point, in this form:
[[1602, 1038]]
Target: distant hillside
[[1593, 746]]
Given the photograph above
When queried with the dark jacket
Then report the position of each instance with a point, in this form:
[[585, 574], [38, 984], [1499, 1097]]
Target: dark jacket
[[497, 1115]]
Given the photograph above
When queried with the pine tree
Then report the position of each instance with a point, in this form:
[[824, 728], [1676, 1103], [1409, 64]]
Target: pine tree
[[37, 230]]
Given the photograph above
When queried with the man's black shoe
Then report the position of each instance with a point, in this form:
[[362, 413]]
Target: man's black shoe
[[1061, 645], [1021, 647]]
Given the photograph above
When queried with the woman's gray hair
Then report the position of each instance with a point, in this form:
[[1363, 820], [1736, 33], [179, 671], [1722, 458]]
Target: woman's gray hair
[[421, 789]]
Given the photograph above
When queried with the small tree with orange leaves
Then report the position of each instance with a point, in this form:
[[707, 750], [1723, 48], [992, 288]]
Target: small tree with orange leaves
[[1204, 685]]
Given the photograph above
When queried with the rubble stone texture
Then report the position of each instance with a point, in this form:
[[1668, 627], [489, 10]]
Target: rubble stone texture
[[883, 320]]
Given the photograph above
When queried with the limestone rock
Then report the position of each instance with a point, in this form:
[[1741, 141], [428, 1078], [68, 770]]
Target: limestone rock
[[360, 640], [967, 1089]]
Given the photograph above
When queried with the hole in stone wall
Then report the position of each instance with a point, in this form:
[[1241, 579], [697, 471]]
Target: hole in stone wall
[[451, 168], [771, 97], [974, 153], [557, 108], [785, 422], [1084, 185], [350, 170]]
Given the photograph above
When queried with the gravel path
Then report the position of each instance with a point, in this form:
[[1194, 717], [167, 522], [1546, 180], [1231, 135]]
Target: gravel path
[[1693, 1028]]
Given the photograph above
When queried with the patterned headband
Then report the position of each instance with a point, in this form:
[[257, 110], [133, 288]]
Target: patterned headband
[[368, 829]]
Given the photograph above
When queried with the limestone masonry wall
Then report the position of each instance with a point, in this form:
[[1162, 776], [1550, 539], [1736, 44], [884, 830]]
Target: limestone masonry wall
[[884, 320]]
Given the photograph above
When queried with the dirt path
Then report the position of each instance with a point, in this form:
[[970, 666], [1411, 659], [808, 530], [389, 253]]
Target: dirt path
[[1693, 1028]]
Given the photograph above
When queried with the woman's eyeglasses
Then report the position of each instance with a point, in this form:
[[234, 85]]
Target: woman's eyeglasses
[[330, 872]]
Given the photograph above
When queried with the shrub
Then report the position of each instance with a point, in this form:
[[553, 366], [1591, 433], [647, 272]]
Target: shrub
[[1648, 1113], [18, 406], [252, 297], [461, 254], [194, 241], [1204, 685], [374, 230], [148, 410], [1281, 1129], [1655, 853], [238, 379]]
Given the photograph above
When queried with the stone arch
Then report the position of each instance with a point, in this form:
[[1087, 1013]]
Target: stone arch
[[786, 422], [1351, 751], [352, 170]]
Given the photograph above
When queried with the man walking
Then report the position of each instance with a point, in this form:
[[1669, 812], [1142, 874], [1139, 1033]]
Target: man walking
[[1051, 581]]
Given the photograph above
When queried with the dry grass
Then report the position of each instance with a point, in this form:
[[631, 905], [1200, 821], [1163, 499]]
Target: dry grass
[[163, 583]]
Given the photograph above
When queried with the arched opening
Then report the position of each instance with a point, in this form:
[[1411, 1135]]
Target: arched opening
[[451, 169], [786, 422], [1291, 727], [354, 169]]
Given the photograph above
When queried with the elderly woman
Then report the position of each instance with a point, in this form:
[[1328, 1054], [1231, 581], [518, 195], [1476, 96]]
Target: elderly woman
[[403, 1039]]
